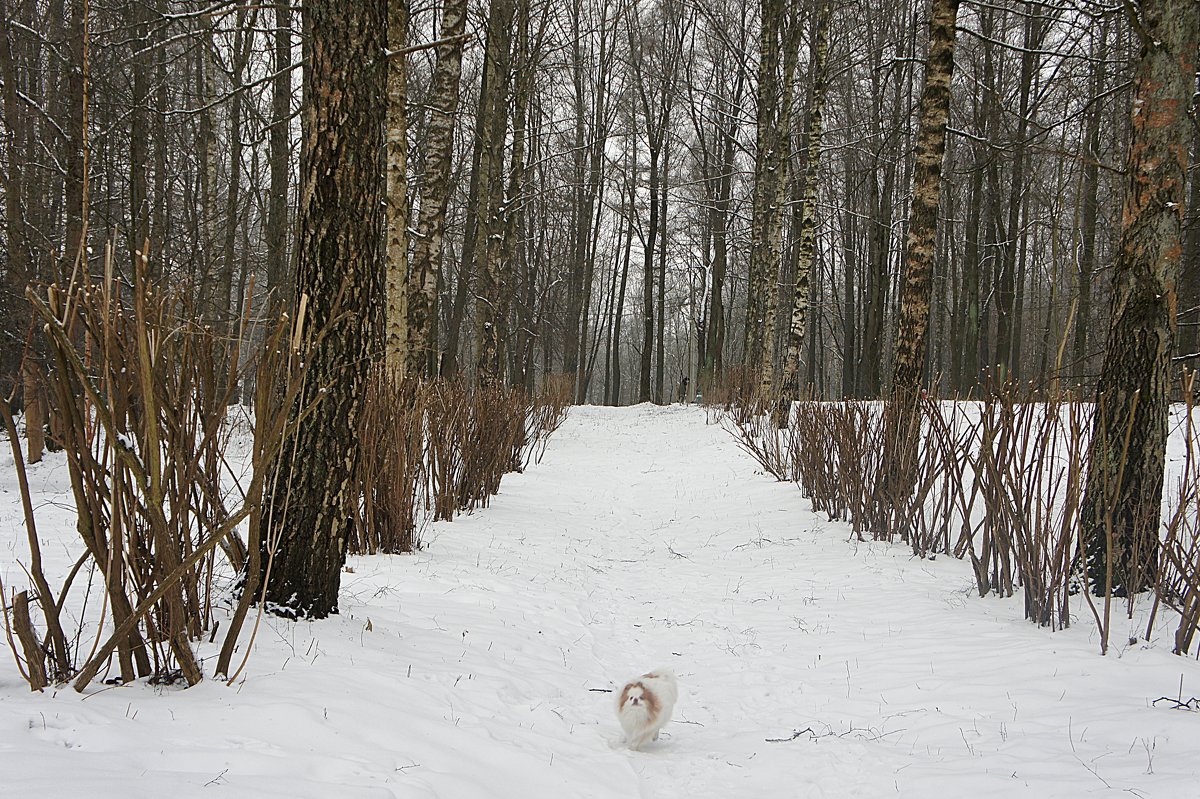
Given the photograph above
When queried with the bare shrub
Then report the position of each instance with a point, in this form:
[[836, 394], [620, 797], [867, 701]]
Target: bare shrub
[[50, 661], [1000, 482], [496, 433], [1179, 555], [557, 391], [546, 414], [476, 435], [391, 468], [1030, 468], [447, 425], [140, 396], [814, 458], [857, 440], [758, 437], [736, 392]]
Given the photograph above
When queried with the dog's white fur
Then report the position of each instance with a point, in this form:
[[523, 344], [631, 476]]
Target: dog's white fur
[[644, 706]]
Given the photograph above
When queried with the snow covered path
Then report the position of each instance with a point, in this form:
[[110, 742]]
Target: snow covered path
[[643, 539]]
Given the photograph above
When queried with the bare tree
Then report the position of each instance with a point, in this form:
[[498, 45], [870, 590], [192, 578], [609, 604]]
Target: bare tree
[[340, 285], [435, 190], [1121, 506], [913, 325], [789, 382], [396, 316]]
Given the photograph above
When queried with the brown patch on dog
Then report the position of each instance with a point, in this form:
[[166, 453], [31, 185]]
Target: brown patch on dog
[[625, 693]]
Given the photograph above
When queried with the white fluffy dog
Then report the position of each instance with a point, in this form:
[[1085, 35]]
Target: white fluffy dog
[[645, 705]]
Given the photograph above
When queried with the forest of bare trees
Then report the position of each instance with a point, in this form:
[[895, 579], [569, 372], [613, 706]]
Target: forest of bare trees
[[612, 190]]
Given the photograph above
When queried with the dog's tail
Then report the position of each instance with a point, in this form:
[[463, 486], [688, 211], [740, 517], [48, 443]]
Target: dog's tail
[[661, 674]]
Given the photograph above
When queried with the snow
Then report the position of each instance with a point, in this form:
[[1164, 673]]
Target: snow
[[644, 538]]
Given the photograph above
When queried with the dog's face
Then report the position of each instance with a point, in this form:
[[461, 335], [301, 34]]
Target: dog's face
[[637, 697]]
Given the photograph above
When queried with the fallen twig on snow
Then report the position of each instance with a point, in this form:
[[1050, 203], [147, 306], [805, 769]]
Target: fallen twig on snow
[[1176, 704]]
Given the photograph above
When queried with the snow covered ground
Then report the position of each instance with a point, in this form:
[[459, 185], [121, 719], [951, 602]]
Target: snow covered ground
[[478, 667]]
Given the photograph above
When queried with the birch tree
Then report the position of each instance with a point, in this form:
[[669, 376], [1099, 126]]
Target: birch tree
[[1121, 505], [902, 419], [396, 345], [435, 190], [789, 382]]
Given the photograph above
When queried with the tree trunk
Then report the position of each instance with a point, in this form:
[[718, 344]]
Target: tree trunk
[[660, 337], [1188, 344], [279, 277], [967, 363], [208, 277], [1009, 284], [913, 324], [875, 303], [513, 210], [630, 210], [340, 275], [435, 193], [74, 249], [18, 271], [1120, 513], [789, 379], [644, 383], [396, 213], [779, 164], [766, 168], [139, 17], [714, 339], [491, 309], [849, 302]]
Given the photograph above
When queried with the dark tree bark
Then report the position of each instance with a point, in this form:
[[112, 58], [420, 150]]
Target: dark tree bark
[[340, 283], [491, 307], [1009, 283], [714, 336], [1089, 211], [1188, 345], [279, 277], [655, 97], [75, 155], [1121, 506], [661, 310], [139, 15], [849, 303], [630, 211], [19, 261]]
